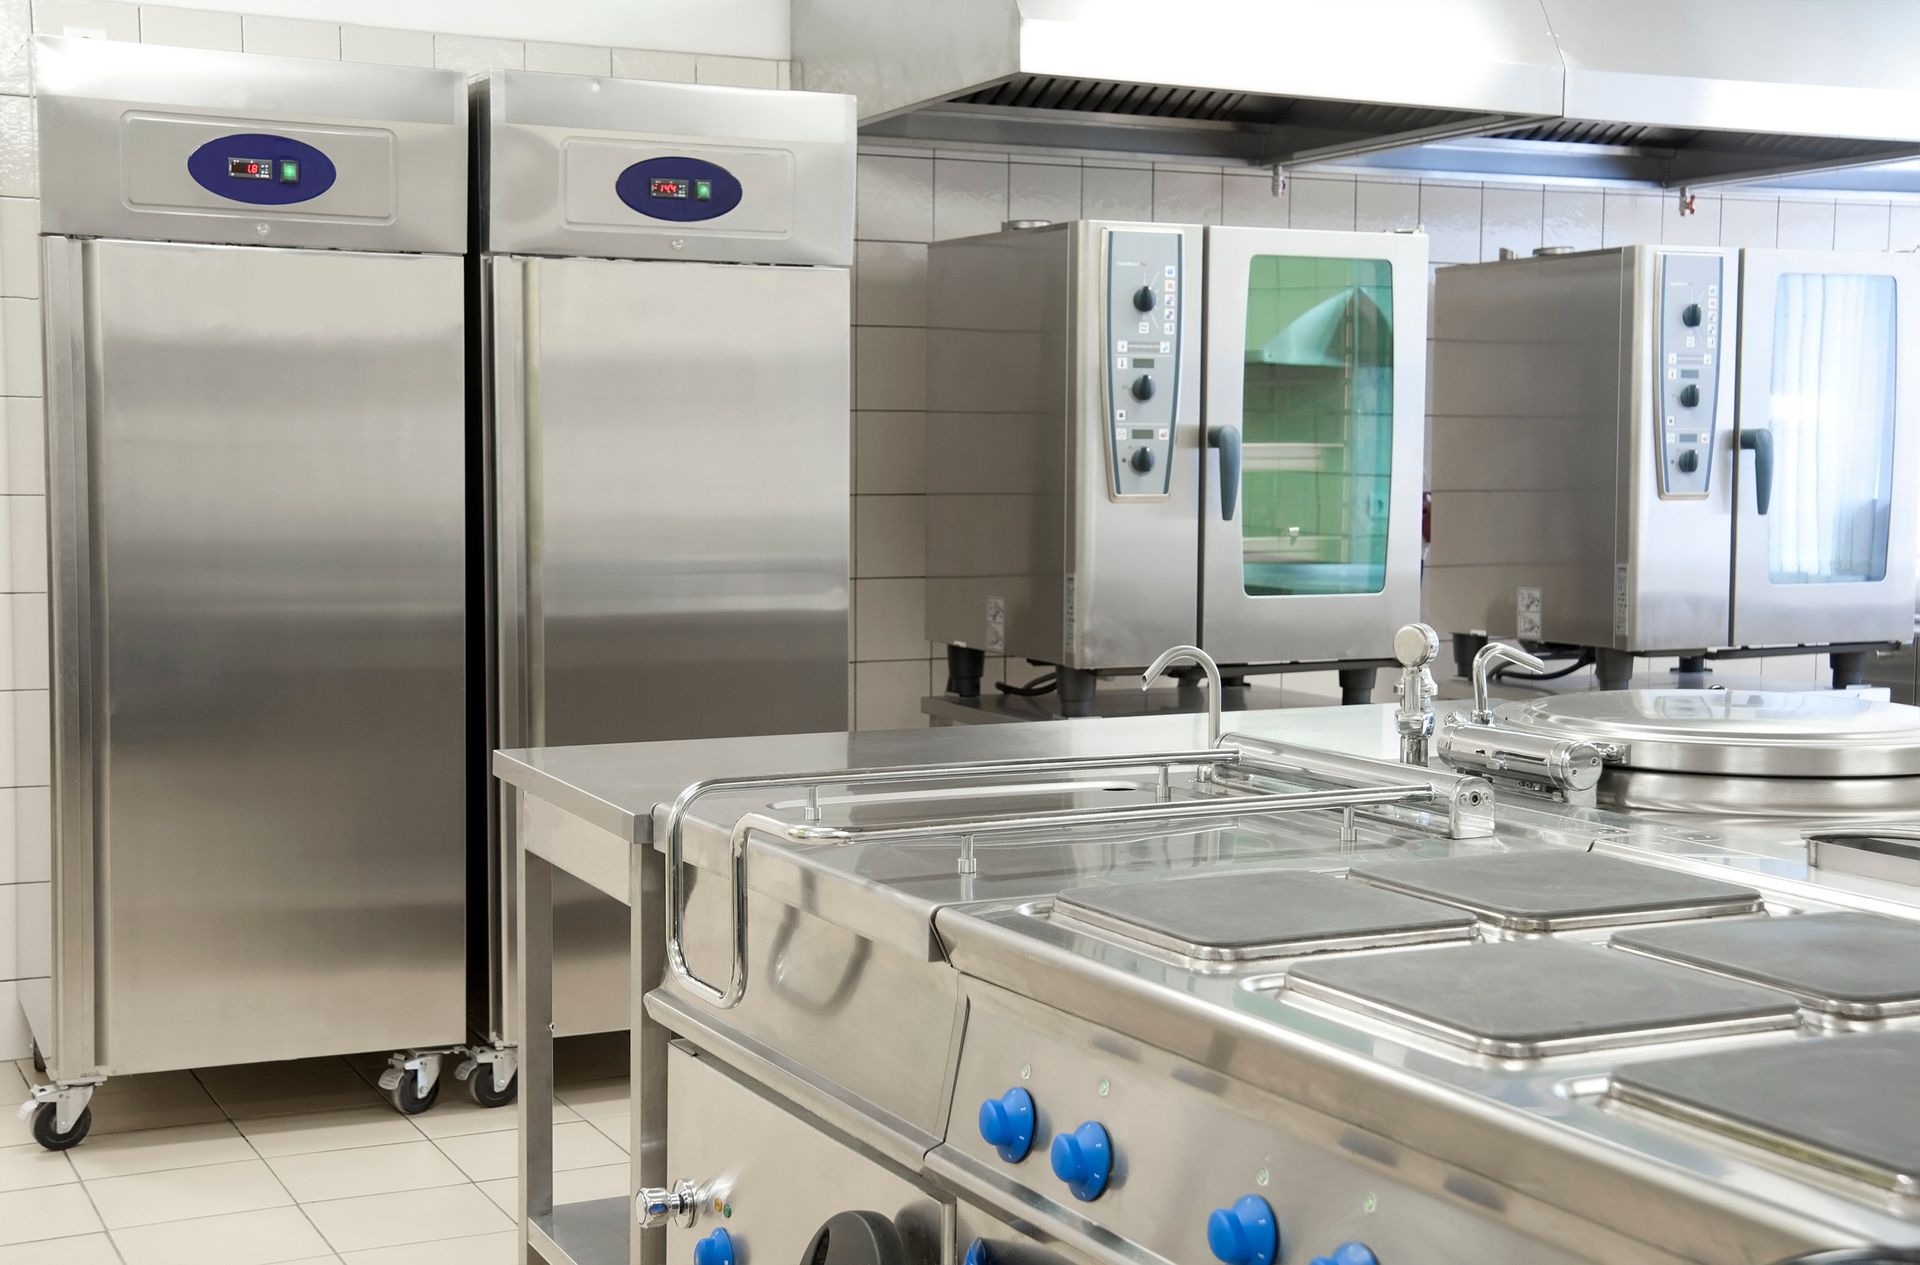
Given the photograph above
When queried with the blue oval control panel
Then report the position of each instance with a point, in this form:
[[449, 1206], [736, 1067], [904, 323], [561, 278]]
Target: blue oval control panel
[[683, 190], [261, 169]]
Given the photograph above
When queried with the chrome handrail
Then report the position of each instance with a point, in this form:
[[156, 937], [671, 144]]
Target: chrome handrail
[[676, 896]]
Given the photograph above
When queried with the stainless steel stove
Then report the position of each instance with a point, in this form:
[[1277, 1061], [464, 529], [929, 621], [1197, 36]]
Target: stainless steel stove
[[1851, 965]]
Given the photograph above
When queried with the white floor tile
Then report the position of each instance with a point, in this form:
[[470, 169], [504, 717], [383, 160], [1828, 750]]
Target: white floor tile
[[486, 1156], [179, 1194], [50, 1213], [595, 1098], [574, 1186], [617, 1129], [485, 1249], [246, 1238], [157, 1150], [366, 1170], [457, 1117], [156, 1101], [417, 1216], [275, 1136], [90, 1249], [31, 1166], [13, 1085], [285, 1089]]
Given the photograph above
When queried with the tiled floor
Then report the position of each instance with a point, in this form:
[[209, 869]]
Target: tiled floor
[[295, 1162]]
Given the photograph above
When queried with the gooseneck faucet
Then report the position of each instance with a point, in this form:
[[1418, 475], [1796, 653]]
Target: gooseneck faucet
[[1192, 654], [1490, 654], [1416, 646]]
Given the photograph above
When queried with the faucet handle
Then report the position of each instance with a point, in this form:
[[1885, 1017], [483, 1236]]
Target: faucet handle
[[1416, 645]]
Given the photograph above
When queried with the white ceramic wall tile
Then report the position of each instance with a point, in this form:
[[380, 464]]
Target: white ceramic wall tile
[[23, 446], [887, 696], [15, 1043], [737, 72], [26, 834], [290, 37], [1511, 216], [10, 901], [786, 75], [189, 28], [20, 368], [24, 738], [890, 369], [894, 199], [642, 63], [87, 19], [1698, 227], [1386, 206], [1186, 197], [476, 54], [889, 453], [569, 59], [1749, 221], [386, 47], [23, 641], [19, 154], [1043, 191], [889, 537], [889, 621], [1630, 218], [20, 247], [1573, 218], [16, 46], [890, 283], [969, 197], [1904, 226], [1806, 225], [1862, 226], [1450, 214], [1316, 202], [24, 546], [1250, 200], [1116, 193]]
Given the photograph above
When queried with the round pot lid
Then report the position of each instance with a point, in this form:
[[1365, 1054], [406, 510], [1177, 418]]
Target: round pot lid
[[1751, 733]]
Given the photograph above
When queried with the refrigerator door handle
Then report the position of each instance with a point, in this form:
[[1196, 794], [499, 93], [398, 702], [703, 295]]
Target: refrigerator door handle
[[1227, 440], [1760, 444]]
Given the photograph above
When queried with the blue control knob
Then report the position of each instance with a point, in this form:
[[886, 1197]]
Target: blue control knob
[[1083, 1160], [1349, 1254], [715, 1249], [1245, 1234], [977, 1253], [1006, 1124]]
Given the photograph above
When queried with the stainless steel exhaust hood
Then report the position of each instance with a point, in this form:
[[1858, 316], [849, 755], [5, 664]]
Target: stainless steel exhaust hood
[[1683, 93]]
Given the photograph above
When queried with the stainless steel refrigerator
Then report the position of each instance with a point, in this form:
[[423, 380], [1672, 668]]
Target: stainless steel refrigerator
[[662, 313], [253, 314]]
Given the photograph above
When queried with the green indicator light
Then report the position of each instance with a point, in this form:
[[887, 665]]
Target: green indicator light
[[289, 171], [703, 190], [727, 1211], [1370, 1204]]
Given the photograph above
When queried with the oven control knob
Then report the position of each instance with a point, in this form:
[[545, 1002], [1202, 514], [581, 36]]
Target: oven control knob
[[715, 1249], [1690, 396], [1690, 314], [1083, 1160], [1688, 461], [1006, 1124], [1348, 1254], [1245, 1234], [1143, 387], [1143, 298], [1142, 460], [978, 1253]]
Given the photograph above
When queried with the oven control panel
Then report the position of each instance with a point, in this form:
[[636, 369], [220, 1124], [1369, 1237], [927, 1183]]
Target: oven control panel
[[1686, 390], [1145, 300]]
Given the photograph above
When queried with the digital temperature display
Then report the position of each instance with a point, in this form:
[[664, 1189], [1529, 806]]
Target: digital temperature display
[[698, 190], [285, 170]]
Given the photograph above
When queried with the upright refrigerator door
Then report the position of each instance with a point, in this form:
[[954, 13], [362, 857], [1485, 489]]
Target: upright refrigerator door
[[1828, 448], [1314, 405], [266, 447]]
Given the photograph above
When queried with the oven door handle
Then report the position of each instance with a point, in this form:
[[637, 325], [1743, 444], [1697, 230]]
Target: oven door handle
[[1760, 444], [1227, 440]]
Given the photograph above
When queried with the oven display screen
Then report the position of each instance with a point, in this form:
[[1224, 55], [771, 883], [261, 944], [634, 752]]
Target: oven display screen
[[698, 190], [285, 170]]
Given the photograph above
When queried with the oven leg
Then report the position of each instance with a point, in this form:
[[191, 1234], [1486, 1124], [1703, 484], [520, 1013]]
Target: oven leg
[[534, 1015], [1356, 685], [1613, 667], [1849, 668], [965, 667], [1076, 691], [1465, 646]]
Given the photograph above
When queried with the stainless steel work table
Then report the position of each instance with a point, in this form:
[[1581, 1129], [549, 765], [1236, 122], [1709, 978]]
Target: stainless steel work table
[[594, 812]]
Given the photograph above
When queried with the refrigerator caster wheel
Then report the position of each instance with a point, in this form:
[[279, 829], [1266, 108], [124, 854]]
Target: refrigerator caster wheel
[[480, 1089], [47, 1134], [407, 1098]]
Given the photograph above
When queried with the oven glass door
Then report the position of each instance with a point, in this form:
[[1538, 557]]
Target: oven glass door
[[1313, 401], [1824, 533]]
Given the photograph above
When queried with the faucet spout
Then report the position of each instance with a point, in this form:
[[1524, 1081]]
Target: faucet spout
[[1495, 652], [1192, 654]]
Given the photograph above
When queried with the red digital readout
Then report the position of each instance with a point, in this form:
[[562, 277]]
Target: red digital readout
[[662, 188], [253, 169]]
